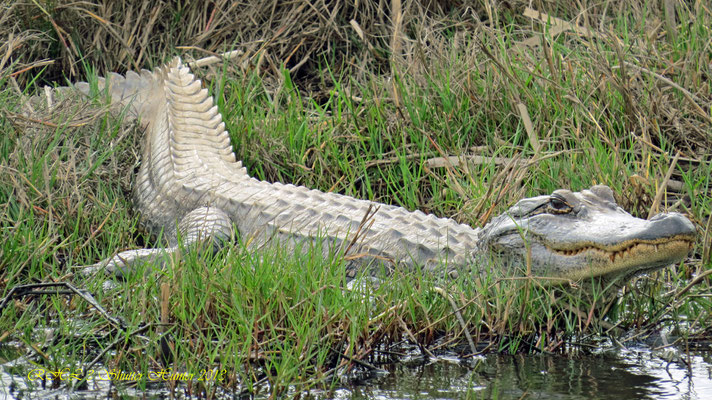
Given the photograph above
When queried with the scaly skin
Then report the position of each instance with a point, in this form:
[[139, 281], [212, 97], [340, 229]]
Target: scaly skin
[[190, 182]]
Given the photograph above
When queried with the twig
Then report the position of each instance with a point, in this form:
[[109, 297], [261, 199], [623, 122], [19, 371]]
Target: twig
[[412, 337], [215, 59], [558, 24], [113, 344], [357, 361], [706, 245], [583, 316], [98, 229], [661, 189], [77, 124], [365, 224], [694, 100], [31, 66], [692, 283], [529, 127], [38, 289], [448, 161], [461, 320]]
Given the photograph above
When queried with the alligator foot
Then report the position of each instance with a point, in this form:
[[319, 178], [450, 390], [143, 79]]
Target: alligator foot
[[205, 227]]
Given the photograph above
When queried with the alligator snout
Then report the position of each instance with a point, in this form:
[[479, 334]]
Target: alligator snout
[[670, 225]]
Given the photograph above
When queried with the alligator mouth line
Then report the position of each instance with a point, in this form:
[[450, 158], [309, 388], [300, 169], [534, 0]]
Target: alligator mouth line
[[633, 248]]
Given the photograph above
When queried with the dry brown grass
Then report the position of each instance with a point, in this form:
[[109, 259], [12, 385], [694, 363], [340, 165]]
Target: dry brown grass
[[117, 35], [665, 90]]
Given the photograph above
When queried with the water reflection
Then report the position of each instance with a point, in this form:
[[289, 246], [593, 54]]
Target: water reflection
[[623, 374], [631, 373]]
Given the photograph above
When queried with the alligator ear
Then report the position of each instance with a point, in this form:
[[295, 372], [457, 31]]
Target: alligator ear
[[604, 192]]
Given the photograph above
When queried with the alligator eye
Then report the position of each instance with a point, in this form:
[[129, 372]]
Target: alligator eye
[[558, 205]]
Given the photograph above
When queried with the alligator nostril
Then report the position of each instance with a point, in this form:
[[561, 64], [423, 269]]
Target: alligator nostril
[[674, 224], [657, 217]]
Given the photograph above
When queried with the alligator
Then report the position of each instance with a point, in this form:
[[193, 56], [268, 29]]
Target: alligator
[[190, 186]]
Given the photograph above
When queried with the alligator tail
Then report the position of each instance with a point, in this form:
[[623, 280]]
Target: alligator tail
[[131, 91]]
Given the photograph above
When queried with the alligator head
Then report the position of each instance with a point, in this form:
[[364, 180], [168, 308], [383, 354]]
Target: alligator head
[[575, 235]]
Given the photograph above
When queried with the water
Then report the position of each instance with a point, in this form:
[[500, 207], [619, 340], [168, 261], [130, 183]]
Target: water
[[615, 373], [621, 374]]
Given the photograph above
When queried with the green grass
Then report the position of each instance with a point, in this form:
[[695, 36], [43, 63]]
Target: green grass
[[285, 319]]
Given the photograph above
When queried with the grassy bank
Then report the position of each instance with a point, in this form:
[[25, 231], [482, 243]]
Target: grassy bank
[[604, 100]]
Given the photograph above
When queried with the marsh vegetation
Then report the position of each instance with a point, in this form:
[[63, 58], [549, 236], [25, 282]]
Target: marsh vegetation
[[453, 109]]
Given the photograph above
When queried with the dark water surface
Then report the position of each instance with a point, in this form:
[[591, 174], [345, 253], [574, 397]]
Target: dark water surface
[[620, 373]]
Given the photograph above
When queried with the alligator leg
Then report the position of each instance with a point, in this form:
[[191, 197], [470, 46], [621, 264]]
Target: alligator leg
[[205, 226]]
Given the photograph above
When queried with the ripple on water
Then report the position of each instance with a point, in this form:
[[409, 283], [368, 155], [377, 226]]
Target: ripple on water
[[628, 373]]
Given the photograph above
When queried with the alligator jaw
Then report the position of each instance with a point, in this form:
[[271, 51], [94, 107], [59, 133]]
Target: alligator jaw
[[636, 255]]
